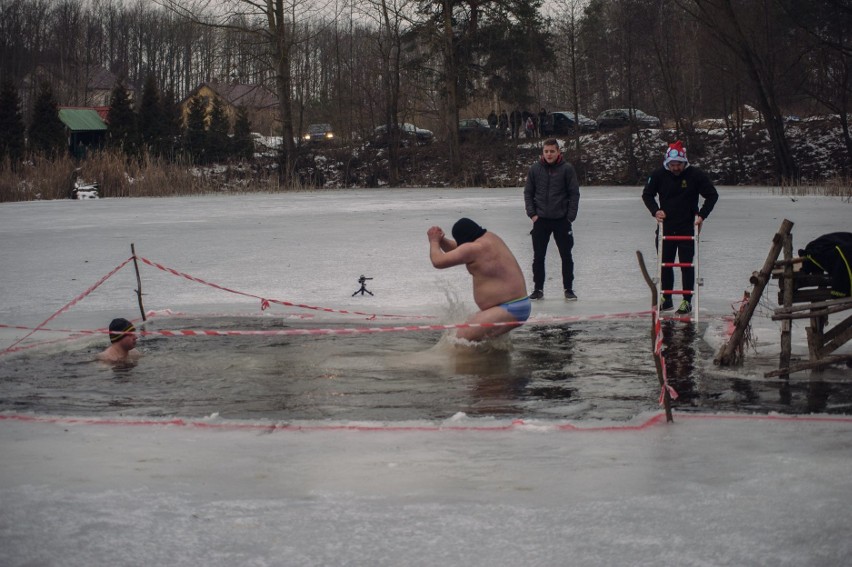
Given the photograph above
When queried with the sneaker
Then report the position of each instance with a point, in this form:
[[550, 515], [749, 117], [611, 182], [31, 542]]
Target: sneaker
[[685, 307], [537, 294], [569, 295], [667, 304]]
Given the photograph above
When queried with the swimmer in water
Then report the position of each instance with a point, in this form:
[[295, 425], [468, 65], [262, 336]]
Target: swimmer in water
[[122, 338], [498, 283]]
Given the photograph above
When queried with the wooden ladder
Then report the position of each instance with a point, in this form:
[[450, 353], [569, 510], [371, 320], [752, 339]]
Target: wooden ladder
[[696, 295]]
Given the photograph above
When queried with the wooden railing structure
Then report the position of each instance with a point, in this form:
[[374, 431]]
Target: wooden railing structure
[[800, 296]]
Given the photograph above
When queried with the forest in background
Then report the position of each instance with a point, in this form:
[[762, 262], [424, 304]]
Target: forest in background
[[362, 63]]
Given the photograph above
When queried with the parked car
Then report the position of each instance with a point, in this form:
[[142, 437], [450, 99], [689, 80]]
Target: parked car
[[319, 134], [563, 122], [478, 129], [619, 117], [408, 133]]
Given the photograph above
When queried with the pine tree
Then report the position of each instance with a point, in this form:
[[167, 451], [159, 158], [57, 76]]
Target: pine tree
[[218, 141], [511, 49], [195, 135], [47, 132], [242, 143], [12, 125], [121, 121], [171, 127], [150, 116]]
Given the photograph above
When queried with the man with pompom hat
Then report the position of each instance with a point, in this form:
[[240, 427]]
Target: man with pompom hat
[[679, 186]]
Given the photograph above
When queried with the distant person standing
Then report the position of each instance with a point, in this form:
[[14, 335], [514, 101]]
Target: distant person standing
[[516, 122], [122, 338], [679, 186], [492, 120], [543, 130], [552, 198], [503, 121]]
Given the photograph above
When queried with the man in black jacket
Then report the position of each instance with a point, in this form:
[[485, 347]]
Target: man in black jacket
[[552, 197], [832, 254], [679, 185]]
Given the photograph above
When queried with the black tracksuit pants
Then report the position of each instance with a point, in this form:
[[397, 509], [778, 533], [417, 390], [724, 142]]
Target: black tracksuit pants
[[684, 250], [564, 237]]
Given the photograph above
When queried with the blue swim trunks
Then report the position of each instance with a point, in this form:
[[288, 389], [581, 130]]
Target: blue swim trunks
[[519, 308]]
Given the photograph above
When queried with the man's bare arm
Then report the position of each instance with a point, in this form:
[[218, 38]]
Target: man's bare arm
[[444, 252]]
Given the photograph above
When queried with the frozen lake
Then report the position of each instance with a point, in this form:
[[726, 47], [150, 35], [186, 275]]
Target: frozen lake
[[409, 453]]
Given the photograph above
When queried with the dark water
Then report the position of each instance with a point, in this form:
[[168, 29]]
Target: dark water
[[589, 370]]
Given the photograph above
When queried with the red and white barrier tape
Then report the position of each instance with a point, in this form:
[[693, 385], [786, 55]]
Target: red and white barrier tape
[[515, 424], [266, 302], [67, 306], [349, 330]]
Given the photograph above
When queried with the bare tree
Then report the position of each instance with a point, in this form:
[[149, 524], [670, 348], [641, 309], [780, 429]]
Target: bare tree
[[749, 31], [569, 30], [277, 24], [392, 20], [825, 28]]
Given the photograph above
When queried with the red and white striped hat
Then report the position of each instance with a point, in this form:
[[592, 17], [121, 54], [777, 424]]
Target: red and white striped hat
[[675, 153]]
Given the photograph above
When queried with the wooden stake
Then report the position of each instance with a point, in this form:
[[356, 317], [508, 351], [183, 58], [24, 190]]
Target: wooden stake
[[787, 325], [728, 353], [667, 399], [809, 365], [138, 289]]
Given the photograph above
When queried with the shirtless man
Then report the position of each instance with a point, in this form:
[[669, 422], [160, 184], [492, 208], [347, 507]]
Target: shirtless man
[[122, 340], [498, 283]]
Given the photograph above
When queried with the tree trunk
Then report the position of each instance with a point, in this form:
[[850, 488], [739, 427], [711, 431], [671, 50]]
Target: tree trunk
[[391, 62], [283, 82], [452, 80], [723, 22]]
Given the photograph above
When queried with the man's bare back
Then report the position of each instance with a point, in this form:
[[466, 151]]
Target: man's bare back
[[497, 277]]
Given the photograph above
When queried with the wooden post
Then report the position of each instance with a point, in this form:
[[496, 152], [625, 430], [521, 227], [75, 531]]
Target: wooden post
[[667, 399], [138, 289], [815, 338], [847, 358], [787, 324], [728, 353]]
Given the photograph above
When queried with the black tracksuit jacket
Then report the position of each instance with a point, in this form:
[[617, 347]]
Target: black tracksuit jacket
[[679, 196]]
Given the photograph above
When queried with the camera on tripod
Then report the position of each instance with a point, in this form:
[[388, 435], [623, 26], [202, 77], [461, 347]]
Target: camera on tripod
[[363, 281]]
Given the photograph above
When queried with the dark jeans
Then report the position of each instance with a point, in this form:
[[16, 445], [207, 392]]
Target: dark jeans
[[685, 251], [564, 237]]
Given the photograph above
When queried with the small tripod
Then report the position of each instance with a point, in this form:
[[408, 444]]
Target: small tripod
[[363, 281]]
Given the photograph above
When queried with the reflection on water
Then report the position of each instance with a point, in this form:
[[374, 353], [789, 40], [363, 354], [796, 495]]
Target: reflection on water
[[590, 370], [702, 386], [680, 342]]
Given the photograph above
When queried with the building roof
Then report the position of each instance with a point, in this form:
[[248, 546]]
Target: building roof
[[236, 94], [81, 119], [100, 78]]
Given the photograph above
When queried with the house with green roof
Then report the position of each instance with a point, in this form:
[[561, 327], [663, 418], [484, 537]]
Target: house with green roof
[[85, 129]]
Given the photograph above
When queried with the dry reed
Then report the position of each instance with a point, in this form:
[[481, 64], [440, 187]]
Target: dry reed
[[120, 176], [833, 187]]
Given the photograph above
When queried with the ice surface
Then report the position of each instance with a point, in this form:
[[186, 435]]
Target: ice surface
[[712, 490]]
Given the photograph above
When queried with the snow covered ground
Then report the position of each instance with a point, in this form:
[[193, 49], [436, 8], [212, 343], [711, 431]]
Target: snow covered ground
[[706, 490]]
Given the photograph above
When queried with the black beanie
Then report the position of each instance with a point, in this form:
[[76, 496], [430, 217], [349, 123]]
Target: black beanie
[[465, 230], [118, 328]]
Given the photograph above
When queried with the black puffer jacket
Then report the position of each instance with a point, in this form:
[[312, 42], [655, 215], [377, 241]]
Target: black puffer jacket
[[552, 191], [831, 253], [679, 195]]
